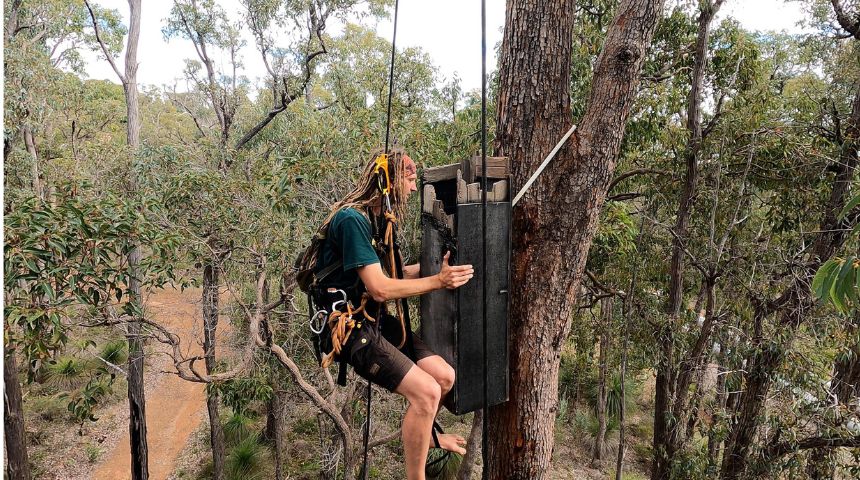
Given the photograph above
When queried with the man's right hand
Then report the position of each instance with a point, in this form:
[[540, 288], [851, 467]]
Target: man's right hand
[[454, 276]]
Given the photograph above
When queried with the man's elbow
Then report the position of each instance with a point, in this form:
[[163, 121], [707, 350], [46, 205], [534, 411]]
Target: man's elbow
[[378, 293]]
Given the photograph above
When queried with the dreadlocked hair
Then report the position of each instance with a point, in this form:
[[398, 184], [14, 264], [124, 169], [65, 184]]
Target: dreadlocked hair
[[366, 195]]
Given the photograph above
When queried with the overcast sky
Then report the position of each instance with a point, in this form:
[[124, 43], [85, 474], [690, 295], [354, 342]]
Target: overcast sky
[[446, 29]]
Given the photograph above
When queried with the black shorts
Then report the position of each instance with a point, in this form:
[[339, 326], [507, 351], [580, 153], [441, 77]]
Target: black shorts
[[377, 360]]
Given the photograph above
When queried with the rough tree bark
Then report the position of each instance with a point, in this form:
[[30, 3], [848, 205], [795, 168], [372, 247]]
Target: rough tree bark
[[556, 220], [664, 445], [210, 325], [17, 464]]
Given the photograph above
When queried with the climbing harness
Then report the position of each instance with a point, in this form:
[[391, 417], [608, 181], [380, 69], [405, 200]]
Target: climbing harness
[[341, 323]]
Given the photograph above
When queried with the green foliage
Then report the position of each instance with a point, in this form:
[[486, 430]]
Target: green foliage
[[115, 352], [65, 372], [585, 422], [615, 238], [93, 452], [240, 393], [246, 460], [83, 402], [71, 253], [838, 282], [443, 469], [238, 428]]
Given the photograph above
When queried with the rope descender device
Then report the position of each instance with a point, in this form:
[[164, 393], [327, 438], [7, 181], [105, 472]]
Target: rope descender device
[[382, 175]]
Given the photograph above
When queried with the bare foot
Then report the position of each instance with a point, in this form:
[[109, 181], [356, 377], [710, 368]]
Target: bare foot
[[452, 442]]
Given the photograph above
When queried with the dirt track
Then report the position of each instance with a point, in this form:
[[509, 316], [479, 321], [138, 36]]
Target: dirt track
[[174, 407]]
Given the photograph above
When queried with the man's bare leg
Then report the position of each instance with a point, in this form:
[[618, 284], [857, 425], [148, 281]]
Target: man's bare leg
[[443, 374], [423, 394]]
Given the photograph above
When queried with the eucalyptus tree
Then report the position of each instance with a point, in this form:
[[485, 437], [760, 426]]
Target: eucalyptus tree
[[136, 393], [64, 261], [670, 402], [39, 39], [550, 253]]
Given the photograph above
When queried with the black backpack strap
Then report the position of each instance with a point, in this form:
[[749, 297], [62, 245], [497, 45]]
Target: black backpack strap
[[325, 272], [341, 372]]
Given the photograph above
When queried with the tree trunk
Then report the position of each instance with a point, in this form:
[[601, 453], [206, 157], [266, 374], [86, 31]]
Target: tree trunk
[[600, 439], [136, 394], [17, 462], [693, 364], [845, 386], [714, 443], [556, 219], [275, 430], [30, 142], [664, 441], [210, 325], [473, 447]]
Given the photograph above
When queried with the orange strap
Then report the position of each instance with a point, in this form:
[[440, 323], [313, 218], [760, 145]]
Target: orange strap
[[388, 240]]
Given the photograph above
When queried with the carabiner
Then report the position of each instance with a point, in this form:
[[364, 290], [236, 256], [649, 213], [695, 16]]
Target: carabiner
[[338, 302], [321, 316]]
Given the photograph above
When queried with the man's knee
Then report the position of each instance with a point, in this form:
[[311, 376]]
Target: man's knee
[[427, 396], [446, 378]]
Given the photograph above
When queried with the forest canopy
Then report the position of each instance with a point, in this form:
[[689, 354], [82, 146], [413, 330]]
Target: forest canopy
[[702, 318]]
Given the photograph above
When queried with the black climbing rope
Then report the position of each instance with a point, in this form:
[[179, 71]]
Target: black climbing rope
[[391, 77], [484, 436], [364, 467]]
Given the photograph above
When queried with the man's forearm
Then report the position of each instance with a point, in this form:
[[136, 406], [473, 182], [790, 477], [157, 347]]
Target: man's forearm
[[392, 288], [412, 271]]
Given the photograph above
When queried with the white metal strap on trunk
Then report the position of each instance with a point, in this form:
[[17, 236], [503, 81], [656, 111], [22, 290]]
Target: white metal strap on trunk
[[543, 165]]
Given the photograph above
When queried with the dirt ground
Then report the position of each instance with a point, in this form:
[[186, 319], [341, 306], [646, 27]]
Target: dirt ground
[[174, 407]]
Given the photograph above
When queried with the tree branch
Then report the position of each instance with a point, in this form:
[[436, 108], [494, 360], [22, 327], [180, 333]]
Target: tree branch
[[634, 172], [851, 25], [317, 27], [102, 43], [775, 451]]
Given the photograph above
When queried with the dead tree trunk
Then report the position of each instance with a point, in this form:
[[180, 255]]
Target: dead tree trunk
[[17, 463], [556, 219], [210, 325], [30, 142]]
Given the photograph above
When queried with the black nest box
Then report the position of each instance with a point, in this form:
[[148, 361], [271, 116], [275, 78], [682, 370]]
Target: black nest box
[[452, 320]]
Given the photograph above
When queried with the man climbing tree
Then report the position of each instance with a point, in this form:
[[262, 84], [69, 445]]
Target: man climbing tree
[[554, 224], [353, 270]]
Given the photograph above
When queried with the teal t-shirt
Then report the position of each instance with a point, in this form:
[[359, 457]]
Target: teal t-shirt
[[349, 238]]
